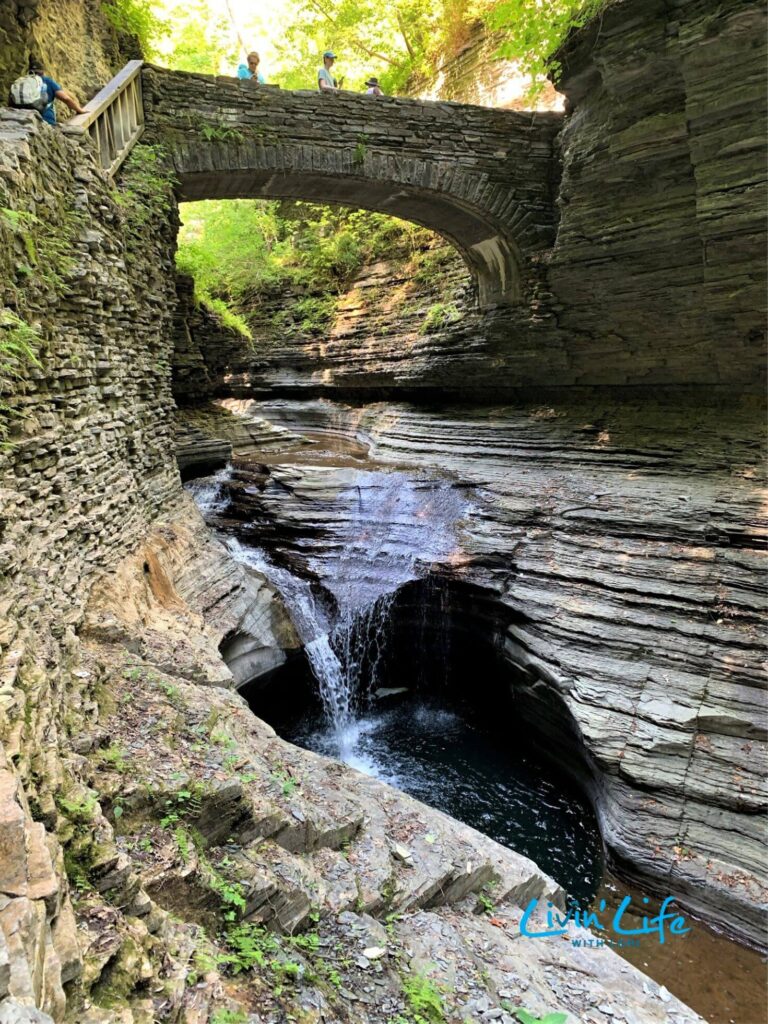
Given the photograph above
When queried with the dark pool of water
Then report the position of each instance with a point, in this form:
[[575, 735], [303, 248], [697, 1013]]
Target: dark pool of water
[[441, 752], [435, 750]]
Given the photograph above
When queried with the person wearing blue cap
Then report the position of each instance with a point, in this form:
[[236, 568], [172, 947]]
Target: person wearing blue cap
[[325, 80]]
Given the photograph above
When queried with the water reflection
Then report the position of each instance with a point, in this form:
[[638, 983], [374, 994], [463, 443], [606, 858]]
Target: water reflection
[[434, 750]]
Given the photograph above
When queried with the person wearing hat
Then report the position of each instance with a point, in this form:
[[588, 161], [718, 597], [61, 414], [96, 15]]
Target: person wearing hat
[[325, 80], [374, 89], [36, 91]]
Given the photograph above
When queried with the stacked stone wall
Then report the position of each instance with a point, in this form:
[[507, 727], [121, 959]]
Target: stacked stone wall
[[86, 467]]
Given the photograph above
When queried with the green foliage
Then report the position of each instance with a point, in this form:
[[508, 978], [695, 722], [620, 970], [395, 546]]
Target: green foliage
[[183, 842], [526, 1017], [358, 156], [81, 811], [48, 242], [229, 1017], [145, 188], [201, 39], [137, 18], [391, 41], [286, 781], [534, 29], [114, 756], [230, 893], [229, 318], [414, 37], [395, 42], [236, 250], [186, 803], [218, 133], [19, 346], [440, 315], [249, 945], [484, 902], [424, 999], [226, 246]]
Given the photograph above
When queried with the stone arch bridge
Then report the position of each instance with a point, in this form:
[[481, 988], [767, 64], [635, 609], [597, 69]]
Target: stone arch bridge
[[483, 178]]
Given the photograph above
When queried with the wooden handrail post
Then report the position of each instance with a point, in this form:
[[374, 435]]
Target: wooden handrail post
[[114, 118]]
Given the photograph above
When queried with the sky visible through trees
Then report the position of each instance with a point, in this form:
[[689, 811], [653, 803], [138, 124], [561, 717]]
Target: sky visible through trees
[[238, 250], [393, 41]]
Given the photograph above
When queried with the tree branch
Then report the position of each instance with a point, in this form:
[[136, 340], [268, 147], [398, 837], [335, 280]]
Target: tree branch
[[355, 40], [404, 34]]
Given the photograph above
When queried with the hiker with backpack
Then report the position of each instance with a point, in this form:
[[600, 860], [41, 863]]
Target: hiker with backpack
[[36, 91]]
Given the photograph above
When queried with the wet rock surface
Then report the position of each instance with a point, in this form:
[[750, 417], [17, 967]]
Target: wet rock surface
[[618, 562], [369, 898]]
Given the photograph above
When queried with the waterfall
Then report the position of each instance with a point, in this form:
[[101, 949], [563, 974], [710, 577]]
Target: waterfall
[[313, 626], [208, 491], [385, 530]]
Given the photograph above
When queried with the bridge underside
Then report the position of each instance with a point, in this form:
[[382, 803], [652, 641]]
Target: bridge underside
[[492, 259]]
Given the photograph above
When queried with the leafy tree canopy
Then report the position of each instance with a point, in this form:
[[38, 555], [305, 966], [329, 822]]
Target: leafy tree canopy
[[392, 41]]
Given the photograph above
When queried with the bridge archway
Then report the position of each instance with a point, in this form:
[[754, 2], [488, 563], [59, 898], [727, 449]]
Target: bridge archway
[[479, 177], [493, 260]]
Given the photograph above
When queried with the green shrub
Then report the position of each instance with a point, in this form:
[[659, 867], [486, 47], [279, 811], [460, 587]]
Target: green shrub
[[440, 315], [526, 1017], [19, 347]]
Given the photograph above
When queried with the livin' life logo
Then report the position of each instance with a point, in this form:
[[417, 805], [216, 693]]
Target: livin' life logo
[[665, 922]]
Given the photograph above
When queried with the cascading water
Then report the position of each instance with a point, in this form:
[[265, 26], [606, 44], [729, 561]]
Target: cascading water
[[208, 491], [314, 627], [388, 529]]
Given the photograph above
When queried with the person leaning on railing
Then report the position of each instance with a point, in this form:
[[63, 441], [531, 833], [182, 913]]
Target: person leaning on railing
[[37, 91], [251, 69]]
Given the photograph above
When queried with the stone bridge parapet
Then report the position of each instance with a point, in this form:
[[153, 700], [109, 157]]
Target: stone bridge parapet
[[483, 178]]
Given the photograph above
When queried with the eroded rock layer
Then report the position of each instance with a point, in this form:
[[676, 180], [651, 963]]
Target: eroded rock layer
[[617, 563]]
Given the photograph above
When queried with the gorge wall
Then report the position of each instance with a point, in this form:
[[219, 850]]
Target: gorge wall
[[150, 826], [658, 261], [86, 469], [79, 46], [115, 600], [613, 562], [645, 337], [656, 275]]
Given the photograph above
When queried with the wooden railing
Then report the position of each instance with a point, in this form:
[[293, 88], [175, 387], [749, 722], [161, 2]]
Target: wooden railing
[[114, 118]]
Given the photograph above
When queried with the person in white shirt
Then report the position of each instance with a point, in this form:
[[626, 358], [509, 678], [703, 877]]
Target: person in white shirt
[[325, 80], [374, 89]]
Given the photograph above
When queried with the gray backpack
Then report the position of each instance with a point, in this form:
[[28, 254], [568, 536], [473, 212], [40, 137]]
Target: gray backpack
[[29, 93]]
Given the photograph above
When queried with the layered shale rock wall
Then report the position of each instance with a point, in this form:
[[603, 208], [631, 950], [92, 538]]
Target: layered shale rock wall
[[658, 271], [80, 47], [90, 270], [614, 562], [86, 473], [86, 468]]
